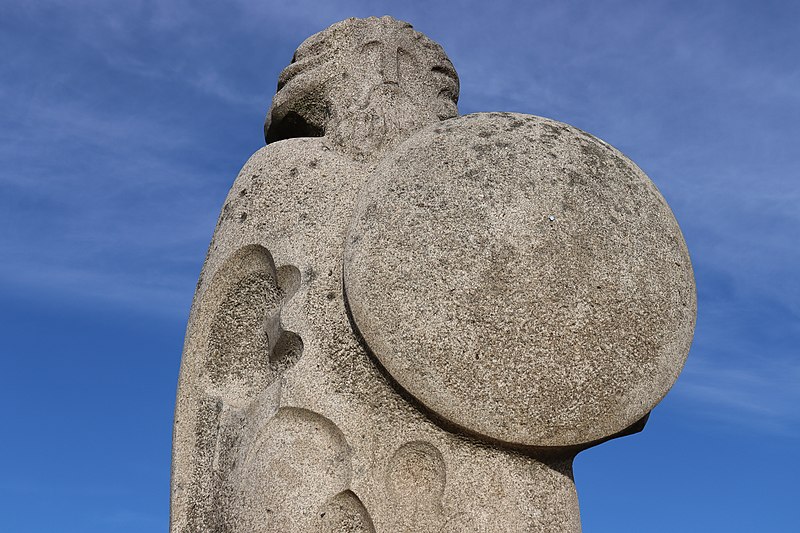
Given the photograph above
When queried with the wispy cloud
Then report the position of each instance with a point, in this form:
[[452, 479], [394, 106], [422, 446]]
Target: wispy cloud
[[762, 395], [124, 125]]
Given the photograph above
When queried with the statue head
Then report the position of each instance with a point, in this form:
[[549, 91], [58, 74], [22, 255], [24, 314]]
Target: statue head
[[366, 84]]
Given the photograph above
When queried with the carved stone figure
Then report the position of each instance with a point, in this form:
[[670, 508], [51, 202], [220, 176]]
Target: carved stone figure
[[411, 321]]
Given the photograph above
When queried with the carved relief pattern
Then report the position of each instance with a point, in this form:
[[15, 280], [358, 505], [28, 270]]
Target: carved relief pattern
[[246, 350], [415, 482]]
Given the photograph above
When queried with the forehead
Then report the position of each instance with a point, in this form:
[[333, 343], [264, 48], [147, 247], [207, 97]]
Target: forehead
[[349, 38]]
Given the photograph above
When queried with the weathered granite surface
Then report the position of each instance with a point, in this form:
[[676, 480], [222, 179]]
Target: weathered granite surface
[[410, 321]]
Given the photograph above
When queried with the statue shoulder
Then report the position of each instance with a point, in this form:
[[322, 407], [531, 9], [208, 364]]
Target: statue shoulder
[[473, 137], [277, 159], [282, 172], [286, 190]]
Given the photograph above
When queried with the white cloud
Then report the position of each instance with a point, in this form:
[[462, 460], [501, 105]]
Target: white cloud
[[741, 385]]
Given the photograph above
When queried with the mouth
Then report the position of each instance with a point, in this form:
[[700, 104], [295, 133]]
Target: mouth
[[388, 86]]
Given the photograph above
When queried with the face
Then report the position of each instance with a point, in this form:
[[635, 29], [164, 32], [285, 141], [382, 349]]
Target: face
[[380, 65], [403, 62]]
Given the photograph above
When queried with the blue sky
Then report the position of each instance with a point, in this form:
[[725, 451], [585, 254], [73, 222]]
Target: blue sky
[[124, 124]]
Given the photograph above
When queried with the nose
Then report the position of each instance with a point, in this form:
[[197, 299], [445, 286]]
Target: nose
[[389, 66]]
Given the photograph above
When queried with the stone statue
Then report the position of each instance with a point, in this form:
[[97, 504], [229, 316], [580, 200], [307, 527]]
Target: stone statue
[[411, 321]]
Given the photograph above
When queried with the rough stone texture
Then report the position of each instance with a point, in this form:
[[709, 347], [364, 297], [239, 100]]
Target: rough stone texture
[[365, 85], [522, 279], [287, 420]]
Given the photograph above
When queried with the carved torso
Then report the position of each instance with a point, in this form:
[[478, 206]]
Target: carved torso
[[366, 352]]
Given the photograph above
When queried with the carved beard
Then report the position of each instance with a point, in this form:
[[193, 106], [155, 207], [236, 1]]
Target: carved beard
[[371, 125]]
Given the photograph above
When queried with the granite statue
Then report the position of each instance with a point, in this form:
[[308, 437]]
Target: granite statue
[[412, 321]]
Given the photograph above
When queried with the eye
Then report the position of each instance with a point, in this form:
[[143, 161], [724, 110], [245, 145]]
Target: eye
[[448, 80], [370, 46], [448, 93], [445, 70]]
